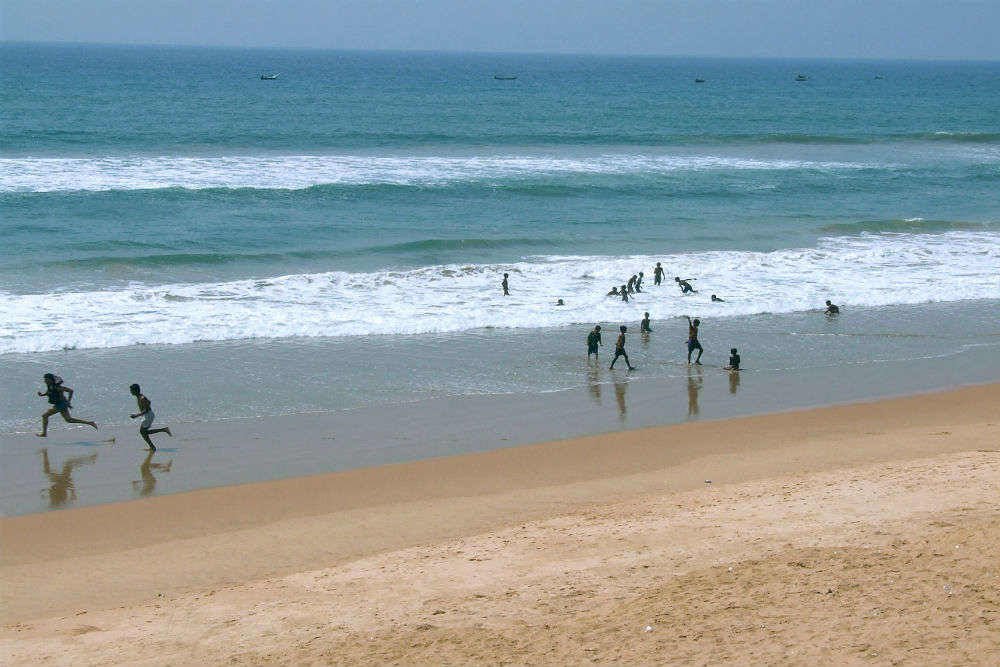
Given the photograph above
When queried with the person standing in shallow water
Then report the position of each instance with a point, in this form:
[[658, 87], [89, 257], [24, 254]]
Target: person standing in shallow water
[[658, 274], [60, 401], [620, 349], [693, 343], [644, 324], [594, 343], [146, 412], [624, 294], [503, 283]]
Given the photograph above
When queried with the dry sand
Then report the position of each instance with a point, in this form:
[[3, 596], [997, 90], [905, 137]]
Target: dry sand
[[858, 534]]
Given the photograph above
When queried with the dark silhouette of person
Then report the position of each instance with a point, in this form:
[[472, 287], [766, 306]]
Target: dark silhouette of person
[[620, 349], [684, 285]]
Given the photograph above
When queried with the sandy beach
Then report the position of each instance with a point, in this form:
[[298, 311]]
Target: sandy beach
[[860, 534]]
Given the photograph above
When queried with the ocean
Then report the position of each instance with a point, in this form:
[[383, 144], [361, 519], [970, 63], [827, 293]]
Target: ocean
[[334, 239]]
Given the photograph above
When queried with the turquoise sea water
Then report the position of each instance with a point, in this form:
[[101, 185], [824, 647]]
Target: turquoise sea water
[[335, 238]]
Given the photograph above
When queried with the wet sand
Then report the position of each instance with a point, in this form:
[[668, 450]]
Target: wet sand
[[841, 526]]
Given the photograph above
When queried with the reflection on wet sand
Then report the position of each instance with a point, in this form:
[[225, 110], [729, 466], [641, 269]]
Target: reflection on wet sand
[[62, 489], [694, 383], [620, 396], [594, 384], [734, 381], [147, 484]]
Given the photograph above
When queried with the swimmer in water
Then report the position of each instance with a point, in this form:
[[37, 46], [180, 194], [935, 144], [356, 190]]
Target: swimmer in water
[[832, 308], [717, 299]]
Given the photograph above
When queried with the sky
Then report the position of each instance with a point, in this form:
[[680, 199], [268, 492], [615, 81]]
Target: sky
[[909, 29]]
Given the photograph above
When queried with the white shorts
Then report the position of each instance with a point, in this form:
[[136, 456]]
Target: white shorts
[[147, 420]]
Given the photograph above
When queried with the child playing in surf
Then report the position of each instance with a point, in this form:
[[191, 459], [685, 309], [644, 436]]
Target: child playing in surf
[[644, 324], [60, 401], [503, 283], [734, 361], [620, 349], [684, 285], [693, 343], [832, 308], [657, 274], [146, 412]]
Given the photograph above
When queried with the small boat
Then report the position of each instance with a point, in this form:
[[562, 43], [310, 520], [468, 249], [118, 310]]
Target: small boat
[[802, 77], [879, 76], [699, 81], [269, 77], [504, 77]]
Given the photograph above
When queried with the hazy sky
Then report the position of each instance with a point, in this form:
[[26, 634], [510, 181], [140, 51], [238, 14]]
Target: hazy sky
[[945, 29]]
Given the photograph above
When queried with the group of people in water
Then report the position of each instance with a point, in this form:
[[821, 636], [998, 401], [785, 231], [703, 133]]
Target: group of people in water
[[61, 400], [633, 286], [594, 342]]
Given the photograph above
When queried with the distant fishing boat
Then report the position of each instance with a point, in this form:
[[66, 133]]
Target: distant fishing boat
[[504, 77], [802, 77], [269, 76], [699, 81]]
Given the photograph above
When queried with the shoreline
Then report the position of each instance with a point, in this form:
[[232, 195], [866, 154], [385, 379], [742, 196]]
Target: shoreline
[[85, 469], [263, 529]]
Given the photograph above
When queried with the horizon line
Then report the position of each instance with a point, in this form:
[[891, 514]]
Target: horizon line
[[607, 54]]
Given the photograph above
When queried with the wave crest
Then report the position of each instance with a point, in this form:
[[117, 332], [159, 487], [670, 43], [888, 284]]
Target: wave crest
[[896, 269]]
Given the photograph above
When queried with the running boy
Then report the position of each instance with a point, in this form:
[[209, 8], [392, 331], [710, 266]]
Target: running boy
[[146, 412]]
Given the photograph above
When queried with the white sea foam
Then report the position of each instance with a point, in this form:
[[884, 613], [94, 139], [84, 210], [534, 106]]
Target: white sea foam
[[303, 171], [867, 270]]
